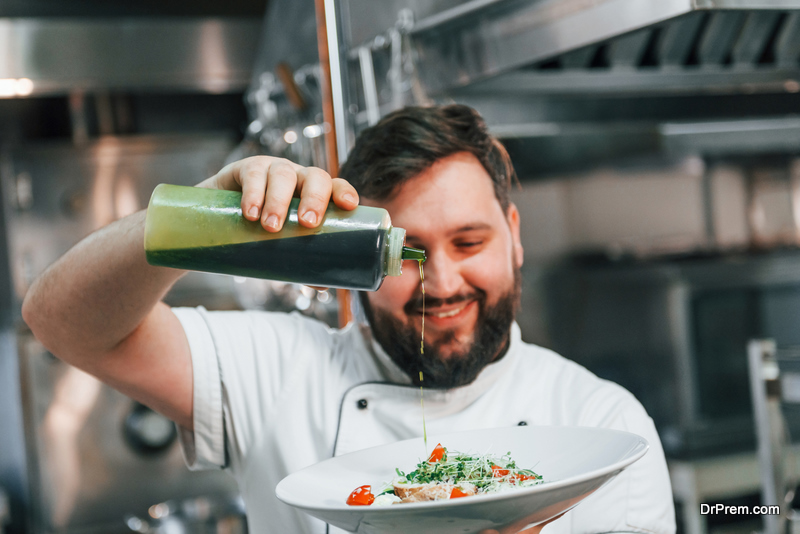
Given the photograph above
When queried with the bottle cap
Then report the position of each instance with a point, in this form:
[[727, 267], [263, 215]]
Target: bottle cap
[[415, 254], [394, 255]]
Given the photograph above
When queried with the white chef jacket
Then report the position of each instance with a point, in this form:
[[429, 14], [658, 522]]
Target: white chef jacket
[[275, 392]]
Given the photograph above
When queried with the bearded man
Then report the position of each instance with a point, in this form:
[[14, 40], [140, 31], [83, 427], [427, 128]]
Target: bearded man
[[265, 394]]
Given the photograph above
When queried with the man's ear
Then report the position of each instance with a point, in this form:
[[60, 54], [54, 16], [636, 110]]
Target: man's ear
[[512, 216]]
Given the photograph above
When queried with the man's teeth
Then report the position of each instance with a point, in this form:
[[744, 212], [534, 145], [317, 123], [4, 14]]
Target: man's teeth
[[450, 313]]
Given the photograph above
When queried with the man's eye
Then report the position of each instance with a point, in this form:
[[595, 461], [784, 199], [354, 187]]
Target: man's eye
[[467, 244]]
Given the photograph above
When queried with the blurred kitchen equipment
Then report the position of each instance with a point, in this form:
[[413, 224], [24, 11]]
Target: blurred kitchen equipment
[[284, 98], [774, 381], [167, 54], [257, 294], [5, 512], [94, 465], [148, 432], [192, 516], [508, 57], [290, 88], [673, 331], [774, 205], [203, 230], [94, 455], [286, 122]]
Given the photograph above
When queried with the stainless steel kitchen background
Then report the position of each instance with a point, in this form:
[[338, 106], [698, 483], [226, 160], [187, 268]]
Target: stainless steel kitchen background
[[657, 144], [120, 100]]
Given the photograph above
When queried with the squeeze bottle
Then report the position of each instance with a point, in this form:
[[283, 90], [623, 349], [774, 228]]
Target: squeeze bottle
[[200, 229]]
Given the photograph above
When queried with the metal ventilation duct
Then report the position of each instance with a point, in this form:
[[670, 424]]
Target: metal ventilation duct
[[700, 52], [491, 51], [564, 79], [483, 38]]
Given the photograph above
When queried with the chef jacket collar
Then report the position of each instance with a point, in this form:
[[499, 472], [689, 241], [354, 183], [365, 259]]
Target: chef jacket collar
[[485, 379]]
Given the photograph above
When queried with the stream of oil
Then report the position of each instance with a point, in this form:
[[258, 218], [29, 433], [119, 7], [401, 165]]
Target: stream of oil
[[422, 352]]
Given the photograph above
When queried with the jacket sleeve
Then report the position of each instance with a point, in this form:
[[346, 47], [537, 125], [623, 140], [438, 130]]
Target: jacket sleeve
[[241, 363]]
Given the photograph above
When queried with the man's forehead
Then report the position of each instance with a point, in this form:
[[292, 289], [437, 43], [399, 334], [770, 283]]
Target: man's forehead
[[456, 189]]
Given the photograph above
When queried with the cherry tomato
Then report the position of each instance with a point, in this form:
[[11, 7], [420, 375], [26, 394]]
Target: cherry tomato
[[437, 454], [456, 493], [361, 496], [498, 471]]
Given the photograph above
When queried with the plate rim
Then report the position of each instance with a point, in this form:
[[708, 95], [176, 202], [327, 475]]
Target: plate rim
[[643, 445]]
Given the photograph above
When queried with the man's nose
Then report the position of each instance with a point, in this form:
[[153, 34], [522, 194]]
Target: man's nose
[[442, 276]]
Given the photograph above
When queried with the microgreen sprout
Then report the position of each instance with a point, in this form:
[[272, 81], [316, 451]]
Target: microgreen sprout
[[486, 472]]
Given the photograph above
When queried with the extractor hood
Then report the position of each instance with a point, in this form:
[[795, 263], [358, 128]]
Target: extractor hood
[[549, 71], [481, 39], [46, 56], [556, 46]]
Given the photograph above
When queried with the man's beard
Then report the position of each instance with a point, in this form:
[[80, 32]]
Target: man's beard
[[401, 341]]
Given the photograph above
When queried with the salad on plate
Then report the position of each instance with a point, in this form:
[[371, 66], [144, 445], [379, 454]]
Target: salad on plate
[[449, 475]]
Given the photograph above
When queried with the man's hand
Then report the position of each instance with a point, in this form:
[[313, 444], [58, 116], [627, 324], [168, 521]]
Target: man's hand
[[538, 528], [533, 530], [268, 185]]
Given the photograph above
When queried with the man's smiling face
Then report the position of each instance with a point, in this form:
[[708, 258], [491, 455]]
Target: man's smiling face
[[471, 274]]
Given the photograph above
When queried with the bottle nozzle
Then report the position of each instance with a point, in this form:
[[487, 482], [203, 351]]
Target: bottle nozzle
[[413, 254]]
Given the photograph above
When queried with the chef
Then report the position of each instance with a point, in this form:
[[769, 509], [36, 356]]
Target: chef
[[265, 394]]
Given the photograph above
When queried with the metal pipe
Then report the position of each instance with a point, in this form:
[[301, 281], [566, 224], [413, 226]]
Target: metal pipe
[[451, 14], [77, 115], [368, 81], [759, 354], [332, 98], [336, 80]]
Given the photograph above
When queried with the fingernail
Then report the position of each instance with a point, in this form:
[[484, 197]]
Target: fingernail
[[310, 217], [272, 221], [253, 213], [348, 198]]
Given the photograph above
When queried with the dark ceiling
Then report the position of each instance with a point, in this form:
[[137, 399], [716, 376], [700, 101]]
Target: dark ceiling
[[132, 8]]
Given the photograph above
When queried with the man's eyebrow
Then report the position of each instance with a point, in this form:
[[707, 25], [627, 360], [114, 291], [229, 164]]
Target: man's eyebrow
[[461, 229], [471, 227]]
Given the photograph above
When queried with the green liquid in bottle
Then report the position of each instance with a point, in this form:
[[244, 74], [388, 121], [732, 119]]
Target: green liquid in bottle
[[200, 229], [343, 259]]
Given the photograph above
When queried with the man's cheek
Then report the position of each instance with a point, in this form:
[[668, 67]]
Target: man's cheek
[[493, 282], [389, 298]]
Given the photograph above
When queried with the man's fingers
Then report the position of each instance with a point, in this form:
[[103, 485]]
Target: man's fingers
[[223, 179], [538, 528], [252, 175], [344, 195], [268, 184], [315, 192], [281, 185]]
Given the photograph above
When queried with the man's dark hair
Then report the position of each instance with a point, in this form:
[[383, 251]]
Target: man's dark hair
[[408, 141]]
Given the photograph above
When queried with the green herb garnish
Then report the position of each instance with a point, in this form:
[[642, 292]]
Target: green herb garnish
[[487, 473]]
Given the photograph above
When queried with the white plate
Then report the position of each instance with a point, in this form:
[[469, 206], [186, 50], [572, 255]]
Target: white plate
[[574, 461]]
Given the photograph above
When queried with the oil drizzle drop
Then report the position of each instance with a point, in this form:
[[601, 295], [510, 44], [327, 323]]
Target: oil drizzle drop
[[422, 351], [422, 341], [422, 402]]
